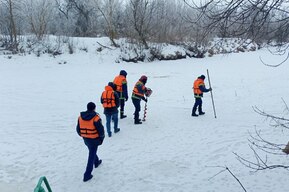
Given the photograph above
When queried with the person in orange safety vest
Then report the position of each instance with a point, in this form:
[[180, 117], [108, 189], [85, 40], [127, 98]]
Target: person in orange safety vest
[[199, 89], [121, 89], [90, 128], [110, 102], [138, 94]]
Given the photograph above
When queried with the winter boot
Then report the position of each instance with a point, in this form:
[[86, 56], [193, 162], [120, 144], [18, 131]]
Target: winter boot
[[201, 110], [137, 121], [122, 116], [116, 130], [194, 112], [97, 163], [87, 178]]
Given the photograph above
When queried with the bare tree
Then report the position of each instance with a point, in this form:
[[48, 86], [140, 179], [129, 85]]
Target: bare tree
[[167, 25], [108, 10], [263, 149], [258, 20], [140, 17], [83, 10], [10, 22], [64, 20], [8, 8], [63, 7], [197, 24], [224, 169], [13, 35], [38, 16]]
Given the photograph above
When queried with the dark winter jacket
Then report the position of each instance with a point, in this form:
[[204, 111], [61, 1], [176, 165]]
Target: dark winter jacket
[[203, 88], [124, 85]]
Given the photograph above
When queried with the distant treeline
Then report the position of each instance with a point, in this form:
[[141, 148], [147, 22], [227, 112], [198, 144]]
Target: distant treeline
[[143, 21]]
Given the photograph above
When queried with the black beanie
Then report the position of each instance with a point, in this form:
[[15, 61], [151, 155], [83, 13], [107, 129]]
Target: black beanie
[[202, 77], [143, 78], [112, 85], [123, 72], [90, 106]]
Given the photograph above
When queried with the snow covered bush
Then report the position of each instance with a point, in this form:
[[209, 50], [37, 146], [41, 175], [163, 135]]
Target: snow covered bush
[[130, 50], [229, 45], [194, 50], [133, 52], [166, 52]]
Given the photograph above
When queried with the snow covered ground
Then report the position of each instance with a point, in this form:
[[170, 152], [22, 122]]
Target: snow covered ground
[[41, 97]]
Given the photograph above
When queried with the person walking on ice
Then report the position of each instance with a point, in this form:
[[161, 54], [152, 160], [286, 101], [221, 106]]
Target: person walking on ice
[[199, 88], [90, 128], [110, 102], [121, 89]]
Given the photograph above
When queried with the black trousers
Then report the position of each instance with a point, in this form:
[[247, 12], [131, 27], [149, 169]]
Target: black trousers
[[92, 145], [197, 105], [136, 103], [122, 104]]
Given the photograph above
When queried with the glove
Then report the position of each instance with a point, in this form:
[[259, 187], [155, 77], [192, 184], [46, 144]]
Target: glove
[[210, 89], [101, 140]]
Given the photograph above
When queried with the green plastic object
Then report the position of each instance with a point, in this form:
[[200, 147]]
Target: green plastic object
[[39, 188]]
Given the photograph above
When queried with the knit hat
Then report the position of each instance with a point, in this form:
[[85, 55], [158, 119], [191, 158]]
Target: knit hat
[[143, 77], [90, 106], [123, 72], [202, 77], [112, 85]]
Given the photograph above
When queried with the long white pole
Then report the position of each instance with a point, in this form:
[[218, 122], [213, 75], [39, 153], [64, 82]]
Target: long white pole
[[211, 94]]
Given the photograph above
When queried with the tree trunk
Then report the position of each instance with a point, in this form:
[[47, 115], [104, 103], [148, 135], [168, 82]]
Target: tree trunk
[[12, 23]]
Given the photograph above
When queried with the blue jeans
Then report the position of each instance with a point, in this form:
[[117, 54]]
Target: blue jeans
[[114, 117], [92, 145]]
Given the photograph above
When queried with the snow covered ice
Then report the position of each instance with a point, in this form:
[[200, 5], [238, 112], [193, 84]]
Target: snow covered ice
[[41, 98]]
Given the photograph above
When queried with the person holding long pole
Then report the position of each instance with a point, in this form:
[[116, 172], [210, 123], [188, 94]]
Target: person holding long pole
[[199, 88]]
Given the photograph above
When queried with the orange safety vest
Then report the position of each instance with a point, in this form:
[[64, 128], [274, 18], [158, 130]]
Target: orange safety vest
[[119, 81], [136, 92], [87, 128], [197, 84], [108, 98]]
